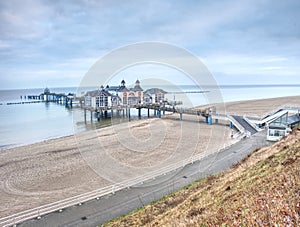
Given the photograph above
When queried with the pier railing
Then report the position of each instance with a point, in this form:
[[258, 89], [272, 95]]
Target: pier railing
[[237, 124], [58, 206]]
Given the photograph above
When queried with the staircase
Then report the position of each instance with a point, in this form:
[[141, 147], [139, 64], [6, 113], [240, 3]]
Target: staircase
[[245, 124]]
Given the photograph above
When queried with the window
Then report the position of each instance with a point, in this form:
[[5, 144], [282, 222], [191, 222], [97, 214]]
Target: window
[[88, 101], [105, 100], [101, 100], [97, 101], [281, 133]]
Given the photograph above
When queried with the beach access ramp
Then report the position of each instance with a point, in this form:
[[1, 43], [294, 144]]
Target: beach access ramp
[[245, 124]]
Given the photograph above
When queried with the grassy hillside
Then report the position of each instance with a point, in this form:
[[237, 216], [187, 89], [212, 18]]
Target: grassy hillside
[[262, 190]]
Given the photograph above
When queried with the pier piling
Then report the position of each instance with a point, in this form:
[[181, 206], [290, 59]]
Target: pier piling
[[209, 120], [159, 113]]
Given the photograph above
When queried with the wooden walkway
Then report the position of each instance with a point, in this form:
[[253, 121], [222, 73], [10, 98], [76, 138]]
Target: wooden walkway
[[158, 108]]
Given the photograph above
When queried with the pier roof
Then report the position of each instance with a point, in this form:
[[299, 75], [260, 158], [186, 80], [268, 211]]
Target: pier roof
[[97, 93], [155, 91], [293, 119]]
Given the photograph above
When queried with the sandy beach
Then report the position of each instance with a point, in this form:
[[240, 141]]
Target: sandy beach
[[260, 107], [52, 170]]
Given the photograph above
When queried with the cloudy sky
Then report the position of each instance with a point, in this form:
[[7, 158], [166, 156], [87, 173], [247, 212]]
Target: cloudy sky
[[54, 43]]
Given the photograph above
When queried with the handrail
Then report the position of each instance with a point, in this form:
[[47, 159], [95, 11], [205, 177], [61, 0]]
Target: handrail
[[111, 189], [282, 107], [237, 124]]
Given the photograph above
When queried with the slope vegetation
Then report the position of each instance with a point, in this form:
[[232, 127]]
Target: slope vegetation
[[263, 189]]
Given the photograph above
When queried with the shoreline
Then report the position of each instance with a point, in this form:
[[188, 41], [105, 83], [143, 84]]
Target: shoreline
[[51, 170], [232, 107]]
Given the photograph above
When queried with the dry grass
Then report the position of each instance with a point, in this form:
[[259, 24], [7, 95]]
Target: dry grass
[[261, 190]]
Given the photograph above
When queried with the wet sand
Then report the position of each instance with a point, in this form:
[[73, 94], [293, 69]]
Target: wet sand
[[52, 170]]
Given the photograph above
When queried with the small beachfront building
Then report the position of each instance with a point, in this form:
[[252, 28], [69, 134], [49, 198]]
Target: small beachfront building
[[282, 126]]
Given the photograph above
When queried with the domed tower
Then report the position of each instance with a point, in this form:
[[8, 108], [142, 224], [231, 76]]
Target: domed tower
[[138, 91], [47, 91], [137, 86], [137, 83], [123, 83]]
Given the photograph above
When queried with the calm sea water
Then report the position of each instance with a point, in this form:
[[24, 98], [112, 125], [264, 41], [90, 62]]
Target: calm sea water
[[29, 123]]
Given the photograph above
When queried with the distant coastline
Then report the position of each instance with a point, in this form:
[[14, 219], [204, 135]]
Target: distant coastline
[[27, 124]]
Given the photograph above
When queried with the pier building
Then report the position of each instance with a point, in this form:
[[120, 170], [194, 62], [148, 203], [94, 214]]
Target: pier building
[[112, 96], [154, 95], [101, 98]]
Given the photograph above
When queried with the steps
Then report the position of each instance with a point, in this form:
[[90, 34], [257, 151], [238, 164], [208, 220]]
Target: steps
[[245, 124]]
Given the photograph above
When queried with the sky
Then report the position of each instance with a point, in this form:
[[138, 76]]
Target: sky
[[54, 43]]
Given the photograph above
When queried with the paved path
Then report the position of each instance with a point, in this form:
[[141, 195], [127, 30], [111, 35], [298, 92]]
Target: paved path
[[96, 212]]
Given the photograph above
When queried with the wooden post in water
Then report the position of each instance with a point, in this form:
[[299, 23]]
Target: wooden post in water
[[98, 116], [139, 112], [148, 112]]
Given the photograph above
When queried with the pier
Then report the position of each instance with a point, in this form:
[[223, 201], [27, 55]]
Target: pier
[[47, 96], [158, 110], [241, 123]]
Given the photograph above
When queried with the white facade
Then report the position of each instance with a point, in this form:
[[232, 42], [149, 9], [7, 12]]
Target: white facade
[[278, 128], [100, 98], [121, 95], [129, 96], [275, 134]]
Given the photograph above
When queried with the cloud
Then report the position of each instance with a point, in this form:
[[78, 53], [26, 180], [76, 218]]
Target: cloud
[[4, 45], [26, 20], [233, 37]]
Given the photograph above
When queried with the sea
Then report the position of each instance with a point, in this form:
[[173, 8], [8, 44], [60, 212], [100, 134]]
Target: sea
[[22, 124]]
